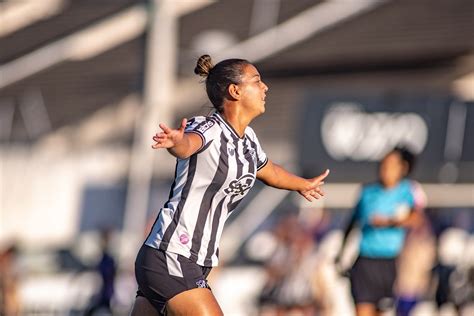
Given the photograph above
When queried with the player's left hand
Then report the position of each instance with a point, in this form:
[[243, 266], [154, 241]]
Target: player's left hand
[[314, 190]]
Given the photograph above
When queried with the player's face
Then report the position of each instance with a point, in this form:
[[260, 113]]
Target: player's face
[[392, 169], [254, 90]]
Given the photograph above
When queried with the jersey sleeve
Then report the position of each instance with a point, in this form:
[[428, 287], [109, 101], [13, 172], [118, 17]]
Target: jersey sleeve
[[406, 193], [262, 158], [201, 126], [420, 199]]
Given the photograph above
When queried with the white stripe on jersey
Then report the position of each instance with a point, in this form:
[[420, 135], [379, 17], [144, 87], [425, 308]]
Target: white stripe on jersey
[[174, 266], [207, 187]]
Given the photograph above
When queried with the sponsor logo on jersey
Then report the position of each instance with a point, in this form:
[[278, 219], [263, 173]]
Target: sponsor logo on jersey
[[241, 185], [205, 126]]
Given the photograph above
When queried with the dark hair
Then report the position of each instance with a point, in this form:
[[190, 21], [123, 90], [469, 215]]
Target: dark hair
[[407, 156], [219, 77]]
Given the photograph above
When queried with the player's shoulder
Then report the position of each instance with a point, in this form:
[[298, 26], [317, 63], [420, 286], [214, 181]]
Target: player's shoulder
[[198, 119], [407, 185], [201, 123]]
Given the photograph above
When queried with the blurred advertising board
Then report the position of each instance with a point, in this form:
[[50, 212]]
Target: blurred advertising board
[[350, 134]]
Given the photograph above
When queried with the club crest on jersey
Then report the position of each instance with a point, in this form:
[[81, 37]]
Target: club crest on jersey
[[204, 127], [231, 151], [241, 185]]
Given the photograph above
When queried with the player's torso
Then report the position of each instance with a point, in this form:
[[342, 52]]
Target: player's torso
[[226, 167], [378, 201], [385, 202], [207, 187]]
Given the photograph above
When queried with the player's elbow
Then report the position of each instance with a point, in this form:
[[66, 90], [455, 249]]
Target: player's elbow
[[180, 154]]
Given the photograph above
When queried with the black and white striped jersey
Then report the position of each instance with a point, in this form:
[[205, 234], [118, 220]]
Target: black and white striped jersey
[[207, 187]]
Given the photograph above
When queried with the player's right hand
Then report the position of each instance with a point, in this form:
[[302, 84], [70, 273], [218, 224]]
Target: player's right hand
[[169, 137]]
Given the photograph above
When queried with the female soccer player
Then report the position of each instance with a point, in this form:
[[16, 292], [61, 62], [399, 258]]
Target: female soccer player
[[384, 210], [218, 159]]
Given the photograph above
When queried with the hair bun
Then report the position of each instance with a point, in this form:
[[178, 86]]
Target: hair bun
[[203, 66]]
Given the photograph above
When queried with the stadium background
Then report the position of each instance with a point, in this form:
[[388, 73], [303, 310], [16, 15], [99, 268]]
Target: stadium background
[[83, 85]]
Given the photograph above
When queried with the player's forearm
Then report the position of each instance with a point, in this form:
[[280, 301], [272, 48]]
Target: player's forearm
[[283, 179], [410, 221], [182, 149]]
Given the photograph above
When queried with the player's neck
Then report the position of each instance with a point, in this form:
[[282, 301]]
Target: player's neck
[[238, 122]]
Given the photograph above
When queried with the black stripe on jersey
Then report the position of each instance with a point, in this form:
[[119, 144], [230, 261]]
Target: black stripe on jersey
[[249, 156], [173, 186], [187, 186], [217, 182], [234, 205], [169, 198], [254, 146], [215, 225], [217, 214], [204, 148], [191, 121], [239, 163], [239, 170], [251, 164]]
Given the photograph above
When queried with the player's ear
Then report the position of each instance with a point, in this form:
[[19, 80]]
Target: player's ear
[[234, 91]]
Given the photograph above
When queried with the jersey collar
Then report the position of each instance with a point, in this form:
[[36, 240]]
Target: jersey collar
[[229, 127]]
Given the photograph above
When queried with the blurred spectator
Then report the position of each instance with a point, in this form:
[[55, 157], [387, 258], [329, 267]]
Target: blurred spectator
[[322, 273], [453, 275], [277, 266], [288, 290], [384, 210], [418, 255], [296, 292], [414, 267], [107, 270], [461, 283], [9, 299]]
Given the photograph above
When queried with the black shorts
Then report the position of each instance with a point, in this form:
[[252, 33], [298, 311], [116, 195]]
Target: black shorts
[[161, 275], [372, 281]]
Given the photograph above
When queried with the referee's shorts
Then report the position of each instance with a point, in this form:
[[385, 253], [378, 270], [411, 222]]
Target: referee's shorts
[[372, 281], [161, 275]]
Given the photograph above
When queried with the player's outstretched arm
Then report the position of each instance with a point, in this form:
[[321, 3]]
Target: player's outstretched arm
[[276, 176], [179, 144], [413, 219]]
